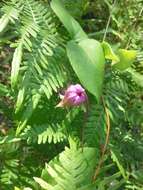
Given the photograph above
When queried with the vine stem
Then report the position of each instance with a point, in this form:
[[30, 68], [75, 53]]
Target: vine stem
[[108, 21], [84, 123], [106, 142]]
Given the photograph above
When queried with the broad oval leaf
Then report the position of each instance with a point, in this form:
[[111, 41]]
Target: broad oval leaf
[[126, 57], [17, 57], [87, 60], [68, 21]]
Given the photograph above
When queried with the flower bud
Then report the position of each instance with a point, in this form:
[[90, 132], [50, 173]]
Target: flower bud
[[75, 95]]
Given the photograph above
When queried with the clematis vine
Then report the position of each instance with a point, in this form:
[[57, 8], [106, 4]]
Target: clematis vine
[[75, 95]]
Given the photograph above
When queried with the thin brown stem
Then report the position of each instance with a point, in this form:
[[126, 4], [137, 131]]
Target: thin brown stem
[[106, 142], [108, 21]]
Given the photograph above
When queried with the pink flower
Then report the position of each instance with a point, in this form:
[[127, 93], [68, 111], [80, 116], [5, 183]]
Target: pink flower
[[75, 95]]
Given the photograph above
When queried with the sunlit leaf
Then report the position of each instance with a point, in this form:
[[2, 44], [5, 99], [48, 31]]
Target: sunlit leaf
[[68, 21], [17, 57], [126, 57], [87, 60], [42, 183], [109, 53], [3, 22]]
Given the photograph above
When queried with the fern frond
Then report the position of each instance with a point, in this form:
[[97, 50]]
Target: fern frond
[[17, 57], [43, 67], [44, 133], [66, 171], [53, 131], [95, 130], [9, 164], [116, 96], [11, 12]]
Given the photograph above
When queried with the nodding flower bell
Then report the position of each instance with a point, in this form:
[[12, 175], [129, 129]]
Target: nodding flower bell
[[75, 95]]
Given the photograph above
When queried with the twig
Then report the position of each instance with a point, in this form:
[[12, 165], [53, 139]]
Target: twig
[[109, 20], [106, 141]]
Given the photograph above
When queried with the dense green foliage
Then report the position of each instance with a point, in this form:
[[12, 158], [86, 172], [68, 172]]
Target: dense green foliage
[[46, 46]]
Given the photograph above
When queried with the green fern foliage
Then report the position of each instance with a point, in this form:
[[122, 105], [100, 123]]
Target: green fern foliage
[[95, 129], [66, 171], [44, 133], [11, 12], [42, 46], [45, 46]]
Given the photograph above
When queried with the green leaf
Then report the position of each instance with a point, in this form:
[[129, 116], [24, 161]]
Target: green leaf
[[115, 185], [16, 188], [28, 112], [126, 57], [42, 183], [3, 22], [22, 90], [17, 57], [109, 53], [87, 60], [72, 169], [10, 15], [111, 178], [116, 160], [137, 77], [68, 21], [9, 139], [20, 99], [3, 90]]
